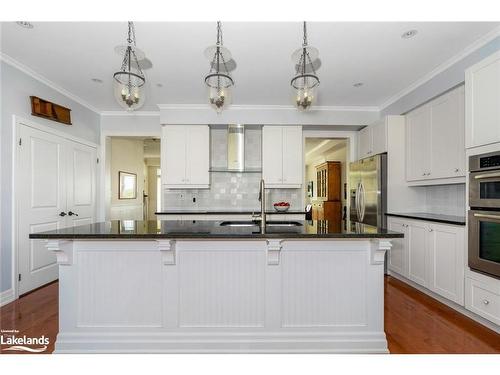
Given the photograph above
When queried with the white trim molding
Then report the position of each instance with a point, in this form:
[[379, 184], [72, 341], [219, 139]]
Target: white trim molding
[[191, 114], [39, 77], [63, 251], [131, 114], [442, 67], [7, 296]]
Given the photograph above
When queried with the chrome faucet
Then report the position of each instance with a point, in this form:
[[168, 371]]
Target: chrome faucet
[[262, 200]]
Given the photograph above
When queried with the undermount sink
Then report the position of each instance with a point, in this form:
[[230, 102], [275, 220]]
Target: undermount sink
[[256, 223]]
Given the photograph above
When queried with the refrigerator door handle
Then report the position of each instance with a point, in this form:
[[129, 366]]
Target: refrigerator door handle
[[356, 202], [362, 201]]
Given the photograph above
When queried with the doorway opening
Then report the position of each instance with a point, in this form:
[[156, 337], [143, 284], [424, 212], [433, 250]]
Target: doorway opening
[[326, 180], [132, 178]]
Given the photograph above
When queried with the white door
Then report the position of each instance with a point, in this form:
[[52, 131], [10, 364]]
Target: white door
[[174, 155], [397, 253], [417, 252], [272, 155], [446, 262], [418, 145], [81, 183], [292, 155], [41, 198], [198, 155], [364, 142]]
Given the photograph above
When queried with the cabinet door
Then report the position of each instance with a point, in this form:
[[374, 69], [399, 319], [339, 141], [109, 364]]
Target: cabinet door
[[447, 141], [173, 163], [379, 138], [417, 252], [272, 155], [482, 98], [418, 147], [398, 252], [292, 155], [446, 262], [364, 142], [198, 155]]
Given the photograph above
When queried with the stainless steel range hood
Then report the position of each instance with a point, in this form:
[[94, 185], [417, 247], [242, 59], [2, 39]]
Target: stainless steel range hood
[[236, 148]]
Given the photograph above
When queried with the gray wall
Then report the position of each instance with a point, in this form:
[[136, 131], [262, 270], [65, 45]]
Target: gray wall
[[442, 82], [16, 88]]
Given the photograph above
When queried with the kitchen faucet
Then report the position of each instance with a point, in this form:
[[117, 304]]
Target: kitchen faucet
[[262, 200]]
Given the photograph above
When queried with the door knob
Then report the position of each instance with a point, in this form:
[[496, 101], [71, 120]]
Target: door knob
[[62, 214], [72, 213]]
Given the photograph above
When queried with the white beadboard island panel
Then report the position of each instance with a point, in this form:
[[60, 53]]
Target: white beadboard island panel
[[221, 296]]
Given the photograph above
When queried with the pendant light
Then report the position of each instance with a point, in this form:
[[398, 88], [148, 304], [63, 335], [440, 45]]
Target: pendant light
[[218, 79], [129, 81], [305, 81]]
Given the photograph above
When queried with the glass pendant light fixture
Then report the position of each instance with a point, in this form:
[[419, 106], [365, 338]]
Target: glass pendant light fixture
[[218, 79], [129, 81], [305, 81]]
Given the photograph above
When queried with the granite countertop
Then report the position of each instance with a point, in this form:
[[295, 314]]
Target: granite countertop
[[438, 218], [209, 229], [226, 212]]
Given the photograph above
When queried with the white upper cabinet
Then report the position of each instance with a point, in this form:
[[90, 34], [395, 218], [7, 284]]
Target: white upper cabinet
[[185, 156], [482, 102], [435, 149], [372, 140], [418, 129], [282, 159]]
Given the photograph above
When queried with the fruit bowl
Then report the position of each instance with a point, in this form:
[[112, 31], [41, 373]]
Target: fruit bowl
[[281, 206]]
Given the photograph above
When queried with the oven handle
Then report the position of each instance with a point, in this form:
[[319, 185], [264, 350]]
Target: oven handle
[[487, 175], [485, 216]]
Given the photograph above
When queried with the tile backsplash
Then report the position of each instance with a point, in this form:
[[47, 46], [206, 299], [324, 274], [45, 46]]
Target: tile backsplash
[[231, 191], [446, 199]]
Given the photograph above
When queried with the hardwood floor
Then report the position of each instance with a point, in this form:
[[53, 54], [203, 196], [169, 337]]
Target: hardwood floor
[[414, 322]]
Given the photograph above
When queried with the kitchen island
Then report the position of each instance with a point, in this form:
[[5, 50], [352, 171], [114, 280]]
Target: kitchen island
[[220, 287]]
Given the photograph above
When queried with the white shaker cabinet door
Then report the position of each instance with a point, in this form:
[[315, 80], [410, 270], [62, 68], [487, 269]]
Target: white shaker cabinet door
[[379, 137], [397, 261], [292, 155], [418, 142], [198, 155], [173, 161], [446, 262], [365, 142], [482, 102], [447, 135], [272, 155], [417, 252]]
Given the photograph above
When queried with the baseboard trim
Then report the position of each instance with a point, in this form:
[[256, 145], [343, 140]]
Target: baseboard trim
[[461, 309], [6, 297]]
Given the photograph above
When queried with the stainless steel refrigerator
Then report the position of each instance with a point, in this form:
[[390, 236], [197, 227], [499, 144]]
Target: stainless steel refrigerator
[[368, 190]]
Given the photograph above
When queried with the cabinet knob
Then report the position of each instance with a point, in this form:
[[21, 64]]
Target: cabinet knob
[[457, 170], [486, 302], [431, 230]]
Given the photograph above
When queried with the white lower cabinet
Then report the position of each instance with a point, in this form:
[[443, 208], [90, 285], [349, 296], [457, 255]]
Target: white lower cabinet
[[431, 255], [396, 258]]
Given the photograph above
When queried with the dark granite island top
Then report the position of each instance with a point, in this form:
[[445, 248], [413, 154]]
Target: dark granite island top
[[437, 218], [192, 229]]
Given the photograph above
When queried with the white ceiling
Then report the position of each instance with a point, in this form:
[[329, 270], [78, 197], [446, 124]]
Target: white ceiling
[[70, 54]]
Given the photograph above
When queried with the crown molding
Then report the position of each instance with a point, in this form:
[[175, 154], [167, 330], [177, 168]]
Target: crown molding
[[131, 114], [441, 68], [246, 107], [25, 69]]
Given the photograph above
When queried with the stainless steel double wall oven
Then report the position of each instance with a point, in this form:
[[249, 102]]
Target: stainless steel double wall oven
[[484, 213]]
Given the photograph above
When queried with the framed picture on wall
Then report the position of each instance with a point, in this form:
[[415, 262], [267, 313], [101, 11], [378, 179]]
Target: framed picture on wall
[[310, 187], [127, 188]]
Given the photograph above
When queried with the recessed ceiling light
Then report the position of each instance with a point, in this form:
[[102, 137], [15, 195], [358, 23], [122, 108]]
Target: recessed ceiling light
[[25, 24], [409, 34], [358, 84], [159, 85], [96, 80]]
